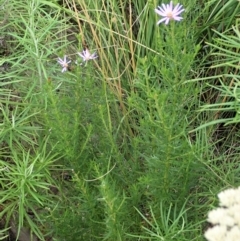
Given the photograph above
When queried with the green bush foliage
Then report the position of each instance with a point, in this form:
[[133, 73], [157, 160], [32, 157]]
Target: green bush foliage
[[132, 145]]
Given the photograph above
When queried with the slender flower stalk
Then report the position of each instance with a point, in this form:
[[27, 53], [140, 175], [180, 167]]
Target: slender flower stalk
[[86, 55], [64, 63], [169, 12]]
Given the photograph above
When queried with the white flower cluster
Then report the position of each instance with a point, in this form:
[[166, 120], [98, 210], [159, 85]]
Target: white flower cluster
[[226, 218]]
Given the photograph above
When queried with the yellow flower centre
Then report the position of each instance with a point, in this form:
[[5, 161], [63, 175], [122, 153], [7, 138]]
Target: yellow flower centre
[[170, 15]]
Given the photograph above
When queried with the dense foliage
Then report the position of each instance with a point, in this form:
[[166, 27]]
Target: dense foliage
[[113, 127]]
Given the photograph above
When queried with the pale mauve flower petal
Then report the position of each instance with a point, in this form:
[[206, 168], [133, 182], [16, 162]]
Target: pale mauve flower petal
[[169, 12], [86, 55], [64, 63]]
